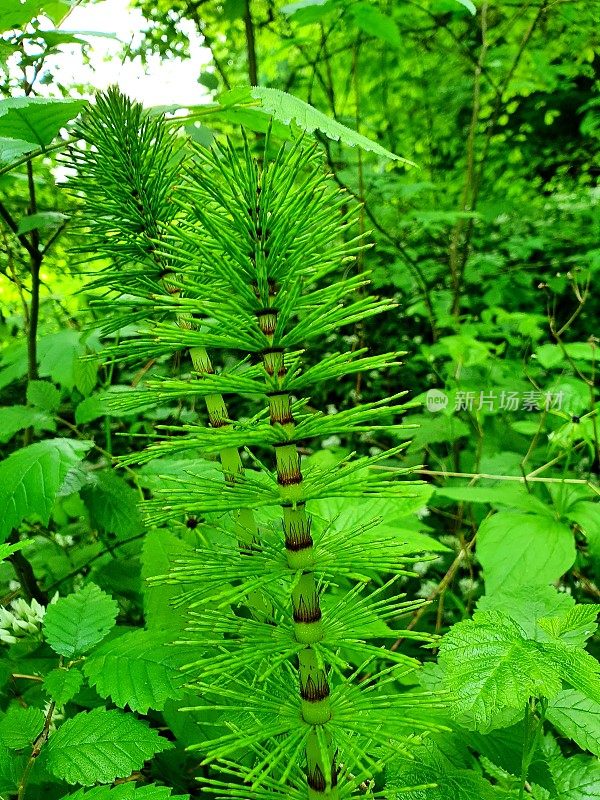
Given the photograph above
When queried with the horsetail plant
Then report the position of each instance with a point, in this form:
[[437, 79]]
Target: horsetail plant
[[253, 258], [127, 176]]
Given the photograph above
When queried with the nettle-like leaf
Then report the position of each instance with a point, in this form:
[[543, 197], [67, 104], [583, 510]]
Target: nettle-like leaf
[[74, 624], [577, 717], [141, 669], [434, 777], [490, 666], [63, 684], [113, 504], [31, 478], [43, 394], [20, 726], [100, 745], [126, 791], [575, 626], [576, 777], [286, 108]]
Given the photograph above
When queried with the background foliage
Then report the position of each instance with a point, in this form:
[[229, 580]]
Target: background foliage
[[489, 247]]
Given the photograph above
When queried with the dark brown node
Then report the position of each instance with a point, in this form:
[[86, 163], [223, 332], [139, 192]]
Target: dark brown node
[[314, 691], [316, 779], [308, 611], [298, 537]]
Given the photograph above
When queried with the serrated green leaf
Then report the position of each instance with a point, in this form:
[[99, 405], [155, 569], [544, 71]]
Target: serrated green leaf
[[16, 418], [100, 745], [11, 768], [574, 626], [577, 778], [31, 478], [43, 394], [126, 791], [20, 726], [430, 767], [578, 717], [75, 623], [516, 548], [575, 666], [13, 149], [36, 119], [513, 496], [141, 669], [85, 374], [8, 549], [63, 684], [504, 748], [113, 504], [286, 108], [489, 666], [526, 604]]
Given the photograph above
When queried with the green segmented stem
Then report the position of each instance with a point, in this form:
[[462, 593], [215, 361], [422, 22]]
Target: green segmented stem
[[315, 706]]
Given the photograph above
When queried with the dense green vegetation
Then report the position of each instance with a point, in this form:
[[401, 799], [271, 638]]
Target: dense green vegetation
[[299, 441]]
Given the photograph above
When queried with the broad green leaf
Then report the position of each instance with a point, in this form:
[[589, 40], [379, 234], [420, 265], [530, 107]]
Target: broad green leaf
[[515, 548], [74, 624], [31, 478], [15, 13], [374, 23], [58, 355], [577, 717], [20, 726], [12, 149], [513, 496], [63, 684], [85, 373], [36, 119], [101, 745], [504, 747], [291, 8], [11, 768], [43, 394], [430, 767], [8, 549], [113, 504], [160, 550], [126, 791], [574, 626], [287, 108], [489, 666], [576, 778], [574, 665], [526, 604], [16, 418], [141, 669], [40, 221]]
